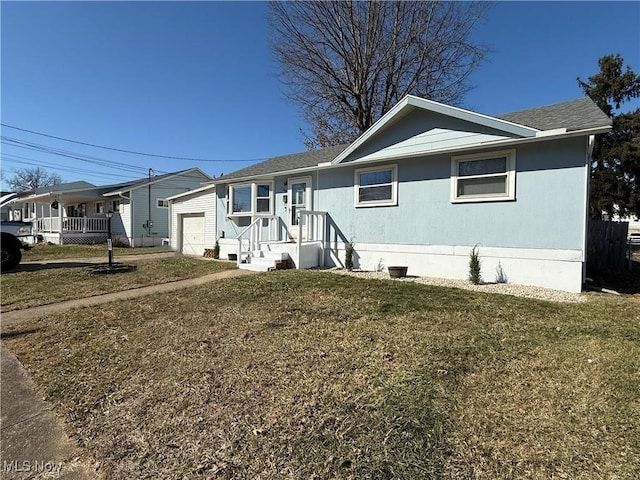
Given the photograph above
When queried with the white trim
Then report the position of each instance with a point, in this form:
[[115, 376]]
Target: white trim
[[255, 198], [510, 173], [191, 192], [162, 203], [554, 131], [308, 193], [411, 101], [393, 201], [233, 187], [253, 188], [511, 142]]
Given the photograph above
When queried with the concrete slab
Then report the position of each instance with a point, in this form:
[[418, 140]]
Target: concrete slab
[[33, 442]]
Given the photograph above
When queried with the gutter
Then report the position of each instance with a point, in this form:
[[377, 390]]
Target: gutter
[[561, 134]]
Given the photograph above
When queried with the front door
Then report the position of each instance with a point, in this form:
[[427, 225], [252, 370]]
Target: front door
[[299, 193]]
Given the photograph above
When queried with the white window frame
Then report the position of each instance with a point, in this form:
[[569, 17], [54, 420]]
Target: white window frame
[[510, 173], [162, 203], [115, 205], [99, 207], [393, 201], [254, 199]]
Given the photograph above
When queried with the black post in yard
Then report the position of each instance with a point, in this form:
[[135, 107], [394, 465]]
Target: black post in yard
[[109, 241]]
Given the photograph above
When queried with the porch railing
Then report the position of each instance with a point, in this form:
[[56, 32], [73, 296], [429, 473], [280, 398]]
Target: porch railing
[[312, 227], [256, 233], [71, 224]]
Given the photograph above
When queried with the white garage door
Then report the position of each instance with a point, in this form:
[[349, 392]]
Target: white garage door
[[193, 234]]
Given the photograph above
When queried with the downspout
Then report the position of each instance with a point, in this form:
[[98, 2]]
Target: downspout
[[149, 221], [585, 231], [131, 224]]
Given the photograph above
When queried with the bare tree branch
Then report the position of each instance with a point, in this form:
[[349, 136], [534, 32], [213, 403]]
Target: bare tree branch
[[30, 178], [345, 63]]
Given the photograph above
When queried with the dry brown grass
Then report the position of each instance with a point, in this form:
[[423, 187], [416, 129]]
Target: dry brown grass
[[308, 375], [45, 251], [25, 289]]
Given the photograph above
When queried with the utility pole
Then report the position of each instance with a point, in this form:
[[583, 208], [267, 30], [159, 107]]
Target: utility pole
[[149, 222]]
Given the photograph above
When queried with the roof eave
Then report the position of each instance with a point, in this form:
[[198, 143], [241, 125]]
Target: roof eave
[[269, 175], [493, 144], [190, 192], [412, 101]]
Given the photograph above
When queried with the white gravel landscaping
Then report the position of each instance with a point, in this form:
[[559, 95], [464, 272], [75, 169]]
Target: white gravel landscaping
[[526, 291]]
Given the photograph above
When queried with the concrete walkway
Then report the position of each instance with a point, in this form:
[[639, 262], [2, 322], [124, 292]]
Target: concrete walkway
[[16, 316], [33, 443]]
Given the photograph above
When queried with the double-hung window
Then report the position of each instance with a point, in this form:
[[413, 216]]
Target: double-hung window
[[263, 198], [483, 177], [251, 199], [376, 186]]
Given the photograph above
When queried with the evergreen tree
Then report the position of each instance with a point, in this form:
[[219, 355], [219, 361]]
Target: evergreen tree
[[615, 173]]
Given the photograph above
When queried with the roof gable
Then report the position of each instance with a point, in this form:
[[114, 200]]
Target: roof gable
[[441, 115], [416, 126], [419, 131]]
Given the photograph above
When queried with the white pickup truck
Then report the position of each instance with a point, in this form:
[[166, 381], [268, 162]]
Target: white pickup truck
[[15, 236]]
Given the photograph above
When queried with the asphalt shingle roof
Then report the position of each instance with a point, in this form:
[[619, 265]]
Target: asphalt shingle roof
[[144, 181], [310, 158], [573, 115]]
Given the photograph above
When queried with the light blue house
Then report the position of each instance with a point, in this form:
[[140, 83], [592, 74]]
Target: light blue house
[[420, 188]]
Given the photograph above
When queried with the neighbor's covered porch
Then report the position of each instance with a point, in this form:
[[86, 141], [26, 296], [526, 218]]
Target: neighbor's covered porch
[[74, 218]]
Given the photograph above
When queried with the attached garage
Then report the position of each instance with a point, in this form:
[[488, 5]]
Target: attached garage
[[193, 238], [192, 219]]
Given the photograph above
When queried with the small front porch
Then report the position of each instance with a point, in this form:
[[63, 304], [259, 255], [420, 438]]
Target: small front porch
[[267, 243], [72, 230]]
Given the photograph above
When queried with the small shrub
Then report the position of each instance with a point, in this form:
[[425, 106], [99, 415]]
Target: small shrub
[[348, 255], [474, 267], [120, 242], [216, 250]]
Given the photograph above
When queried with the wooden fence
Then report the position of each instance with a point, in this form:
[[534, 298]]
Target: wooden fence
[[607, 245]]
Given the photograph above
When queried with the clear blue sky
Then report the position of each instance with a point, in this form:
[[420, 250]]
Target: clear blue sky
[[196, 79]]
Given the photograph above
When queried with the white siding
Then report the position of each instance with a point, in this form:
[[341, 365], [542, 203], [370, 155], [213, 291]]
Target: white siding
[[203, 202], [122, 227], [161, 189]]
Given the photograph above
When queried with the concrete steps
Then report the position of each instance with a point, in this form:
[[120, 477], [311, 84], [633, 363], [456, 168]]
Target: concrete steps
[[263, 260]]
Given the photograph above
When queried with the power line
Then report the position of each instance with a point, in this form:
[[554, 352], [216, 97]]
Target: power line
[[9, 158], [131, 151], [65, 153]]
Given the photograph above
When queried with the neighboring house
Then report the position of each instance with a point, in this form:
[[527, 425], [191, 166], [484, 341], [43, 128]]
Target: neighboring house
[[192, 220], [19, 206], [420, 188], [76, 212]]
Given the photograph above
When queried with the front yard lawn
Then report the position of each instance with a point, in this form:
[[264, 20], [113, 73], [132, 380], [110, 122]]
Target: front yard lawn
[[56, 252], [314, 375], [24, 289]]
